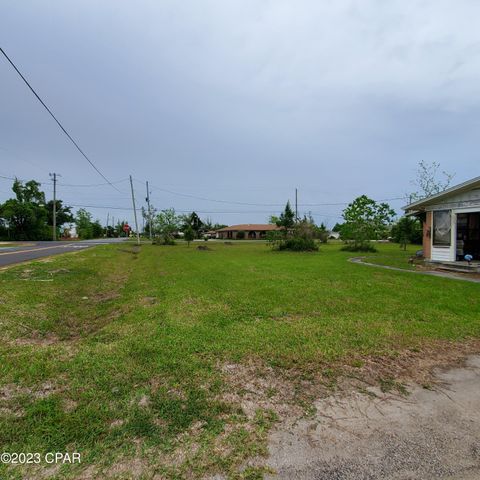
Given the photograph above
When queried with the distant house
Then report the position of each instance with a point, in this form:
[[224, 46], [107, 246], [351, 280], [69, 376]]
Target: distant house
[[210, 234], [334, 235], [252, 231], [451, 222]]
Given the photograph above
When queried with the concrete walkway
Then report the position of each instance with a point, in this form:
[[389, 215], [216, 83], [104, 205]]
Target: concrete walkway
[[452, 276]]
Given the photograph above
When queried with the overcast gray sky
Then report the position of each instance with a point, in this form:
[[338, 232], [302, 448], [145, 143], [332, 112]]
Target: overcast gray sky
[[240, 101]]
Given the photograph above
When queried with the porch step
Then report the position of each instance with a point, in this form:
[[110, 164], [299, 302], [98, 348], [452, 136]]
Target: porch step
[[461, 267]]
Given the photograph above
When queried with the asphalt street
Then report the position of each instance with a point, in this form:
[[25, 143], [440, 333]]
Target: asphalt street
[[17, 252]]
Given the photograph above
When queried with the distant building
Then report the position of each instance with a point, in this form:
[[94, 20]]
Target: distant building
[[68, 231], [210, 234], [252, 231], [334, 235]]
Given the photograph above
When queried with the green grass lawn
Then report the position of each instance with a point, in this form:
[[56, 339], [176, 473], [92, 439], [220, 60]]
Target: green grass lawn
[[122, 356], [392, 255]]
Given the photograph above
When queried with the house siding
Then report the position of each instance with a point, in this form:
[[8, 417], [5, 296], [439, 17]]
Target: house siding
[[442, 254]]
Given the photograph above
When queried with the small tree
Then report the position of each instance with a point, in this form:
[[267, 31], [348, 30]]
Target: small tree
[[97, 229], [166, 224], [194, 222], [287, 218], [295, 236], [407, 230], [83, 221], [365, 220], [428, 181], [189, 235]]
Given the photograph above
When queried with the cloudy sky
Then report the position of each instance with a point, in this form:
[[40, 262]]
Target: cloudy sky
[[240, 101]]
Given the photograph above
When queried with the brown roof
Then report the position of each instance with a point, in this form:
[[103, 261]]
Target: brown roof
[[250, 226]]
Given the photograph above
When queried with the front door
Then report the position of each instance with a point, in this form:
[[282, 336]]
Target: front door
[[468, 235]]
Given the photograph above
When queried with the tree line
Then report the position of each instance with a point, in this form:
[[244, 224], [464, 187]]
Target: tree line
[[28, 216]]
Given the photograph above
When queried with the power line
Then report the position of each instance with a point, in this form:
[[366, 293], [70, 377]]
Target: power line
[[69, 184], [57, 121], [212, 212], [215, 200], [259, 204], [92, 184]]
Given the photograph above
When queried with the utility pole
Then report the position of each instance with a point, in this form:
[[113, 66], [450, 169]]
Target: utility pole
[[149, 214], [296, 205], [54, 177], [106, 229], [134, 211]]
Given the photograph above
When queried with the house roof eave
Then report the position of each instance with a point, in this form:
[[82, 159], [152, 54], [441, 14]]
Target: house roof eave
[[461, 187]]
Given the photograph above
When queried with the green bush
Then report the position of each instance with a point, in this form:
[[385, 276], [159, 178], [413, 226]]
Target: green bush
[[164, 240], [300, 238], [359, 247], [298, 244], [240, 235]]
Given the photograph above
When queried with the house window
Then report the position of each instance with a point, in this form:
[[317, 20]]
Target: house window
[[442, 228]]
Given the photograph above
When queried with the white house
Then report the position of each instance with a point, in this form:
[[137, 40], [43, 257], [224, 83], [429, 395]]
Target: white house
[[451, 222]]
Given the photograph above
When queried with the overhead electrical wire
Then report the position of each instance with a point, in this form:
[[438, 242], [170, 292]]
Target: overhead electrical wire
[[154, 187], [57, 121], [92, 184], [109, 207]]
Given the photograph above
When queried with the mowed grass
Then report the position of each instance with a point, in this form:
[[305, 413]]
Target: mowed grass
[[393, 256], [120, 356]]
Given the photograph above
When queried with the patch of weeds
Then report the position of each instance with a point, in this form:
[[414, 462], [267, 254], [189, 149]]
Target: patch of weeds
[[251, 473], [264, 419], [308, 407], [329, 373], [390, 384], [271, 392], [365, 391], [357, 363]]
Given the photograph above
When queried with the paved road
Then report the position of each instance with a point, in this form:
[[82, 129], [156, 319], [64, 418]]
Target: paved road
[[17, 252]]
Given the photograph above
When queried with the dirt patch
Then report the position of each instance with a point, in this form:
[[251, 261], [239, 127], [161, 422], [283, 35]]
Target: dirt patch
[[101, 297], [410, 365], [256, 386], [10, 393], [148, 301], [366, 381], [290, 393], [431, 433], [41, 341]]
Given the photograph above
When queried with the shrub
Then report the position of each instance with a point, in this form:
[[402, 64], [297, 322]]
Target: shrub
[[301, 238], [164, 240], [188, 234], [407, 230], [298, 244], [322, 235], [359, 247], [240, 235]]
